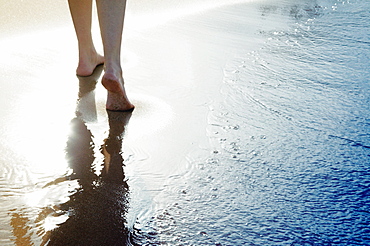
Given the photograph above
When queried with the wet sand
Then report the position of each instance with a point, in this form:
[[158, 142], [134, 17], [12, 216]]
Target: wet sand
[[172, 72]]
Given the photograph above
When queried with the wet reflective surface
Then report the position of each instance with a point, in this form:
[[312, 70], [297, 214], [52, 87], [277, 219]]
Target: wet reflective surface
[[96, 211], [251, 127]]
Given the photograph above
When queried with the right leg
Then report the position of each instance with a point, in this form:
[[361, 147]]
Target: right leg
[[81, 12], [111, 16]]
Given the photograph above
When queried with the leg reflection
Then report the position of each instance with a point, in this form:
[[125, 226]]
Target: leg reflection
[[97, 210]]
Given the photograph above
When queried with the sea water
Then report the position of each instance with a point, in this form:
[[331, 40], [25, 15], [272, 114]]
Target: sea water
[[289, 159]]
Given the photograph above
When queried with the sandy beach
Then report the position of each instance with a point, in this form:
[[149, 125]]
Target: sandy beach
[[218, 121], [171, 73]]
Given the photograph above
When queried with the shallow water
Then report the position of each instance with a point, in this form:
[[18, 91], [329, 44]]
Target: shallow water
[[289, 156], [251, 128]]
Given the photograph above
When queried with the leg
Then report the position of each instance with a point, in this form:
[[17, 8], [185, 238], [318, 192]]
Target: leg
[[81, 12], [111, 16]]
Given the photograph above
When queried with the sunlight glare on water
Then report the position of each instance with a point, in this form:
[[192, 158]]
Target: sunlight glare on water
[[148, 14]]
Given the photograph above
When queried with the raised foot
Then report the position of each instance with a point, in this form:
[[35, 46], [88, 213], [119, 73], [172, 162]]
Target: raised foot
[[117, 99]]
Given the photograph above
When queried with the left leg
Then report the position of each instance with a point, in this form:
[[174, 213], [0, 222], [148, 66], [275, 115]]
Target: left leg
[[81, 12]]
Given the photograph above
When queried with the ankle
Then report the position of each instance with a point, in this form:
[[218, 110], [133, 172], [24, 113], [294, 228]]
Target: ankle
[[114, 70]]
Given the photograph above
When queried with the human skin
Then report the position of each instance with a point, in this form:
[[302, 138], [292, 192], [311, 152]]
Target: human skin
[[81, 12], [111, 15]]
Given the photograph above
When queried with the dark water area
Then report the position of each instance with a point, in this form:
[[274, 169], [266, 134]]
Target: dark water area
[[290, 156]]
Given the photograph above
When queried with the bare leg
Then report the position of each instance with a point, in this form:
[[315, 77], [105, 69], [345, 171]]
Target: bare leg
[[81, 12], [111, 16]]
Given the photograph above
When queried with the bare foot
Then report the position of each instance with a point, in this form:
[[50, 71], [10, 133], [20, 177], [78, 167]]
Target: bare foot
[[86, 66], [117, 99]]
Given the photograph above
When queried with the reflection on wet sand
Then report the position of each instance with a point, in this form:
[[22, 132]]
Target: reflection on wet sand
[[97, 210], [20, 229], [95, 213]]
